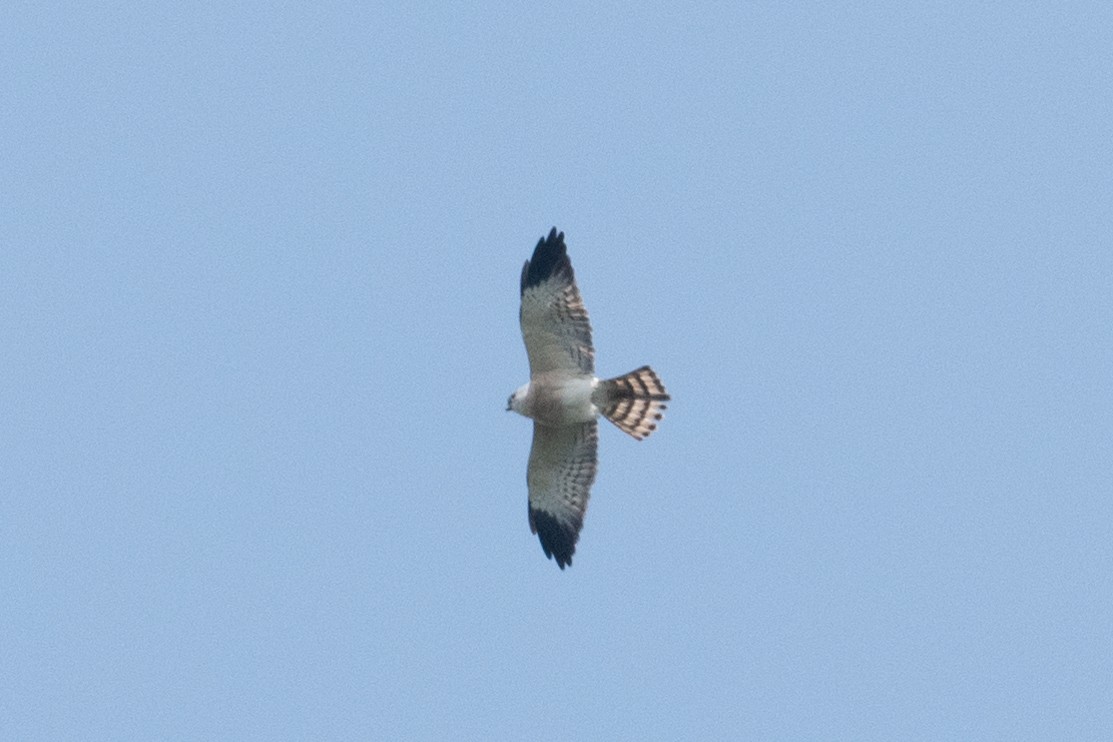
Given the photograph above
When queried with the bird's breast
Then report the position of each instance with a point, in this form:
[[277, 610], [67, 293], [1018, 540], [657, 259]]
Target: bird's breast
[[561, 400]]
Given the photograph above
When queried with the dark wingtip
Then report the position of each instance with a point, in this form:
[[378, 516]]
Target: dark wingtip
[[550, 258], [558, 541]]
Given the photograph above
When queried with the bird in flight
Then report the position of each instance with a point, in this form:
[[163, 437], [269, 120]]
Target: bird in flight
[[564, 398]]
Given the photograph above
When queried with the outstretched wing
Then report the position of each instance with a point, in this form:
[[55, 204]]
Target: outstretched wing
[[555, 326], [562, 467]]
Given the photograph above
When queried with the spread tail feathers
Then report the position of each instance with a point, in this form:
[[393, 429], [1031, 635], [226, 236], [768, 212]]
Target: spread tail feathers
[[634, 402]]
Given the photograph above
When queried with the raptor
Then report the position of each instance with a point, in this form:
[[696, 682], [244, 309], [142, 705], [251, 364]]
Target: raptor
[[564, 398]]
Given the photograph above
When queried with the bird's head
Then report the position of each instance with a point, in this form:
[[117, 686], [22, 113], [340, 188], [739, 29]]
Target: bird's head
[[516, 400]]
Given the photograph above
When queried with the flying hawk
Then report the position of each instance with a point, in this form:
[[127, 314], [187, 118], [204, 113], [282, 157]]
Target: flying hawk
[[564, 397]]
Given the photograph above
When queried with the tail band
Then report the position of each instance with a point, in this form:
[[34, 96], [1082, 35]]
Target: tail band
[[635, 402]]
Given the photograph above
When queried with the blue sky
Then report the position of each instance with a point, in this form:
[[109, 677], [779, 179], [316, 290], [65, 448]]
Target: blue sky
[[258, 305]]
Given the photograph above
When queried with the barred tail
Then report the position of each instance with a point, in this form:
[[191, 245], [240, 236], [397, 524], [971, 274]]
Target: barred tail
[[634, 402]]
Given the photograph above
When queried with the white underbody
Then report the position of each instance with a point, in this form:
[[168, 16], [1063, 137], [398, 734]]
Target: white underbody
[[556, 399]]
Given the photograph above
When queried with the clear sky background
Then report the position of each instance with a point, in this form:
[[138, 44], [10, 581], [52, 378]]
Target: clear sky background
[[258, 324]]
